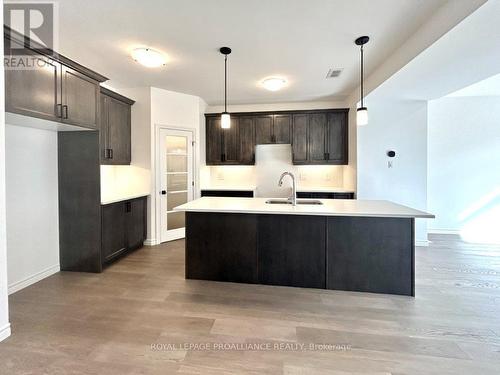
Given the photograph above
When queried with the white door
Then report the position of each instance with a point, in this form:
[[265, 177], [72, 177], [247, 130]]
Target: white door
[[176, 176]]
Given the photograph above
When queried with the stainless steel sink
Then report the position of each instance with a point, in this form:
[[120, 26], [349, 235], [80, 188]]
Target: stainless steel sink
[[299, 201]]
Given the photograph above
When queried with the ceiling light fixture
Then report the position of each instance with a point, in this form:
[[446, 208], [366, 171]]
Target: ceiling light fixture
[[225, 118], [274, 83], [362, 112], [149, 57]]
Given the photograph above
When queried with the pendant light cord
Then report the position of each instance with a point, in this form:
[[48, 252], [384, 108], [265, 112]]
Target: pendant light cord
[[362, 93], [225, 83]]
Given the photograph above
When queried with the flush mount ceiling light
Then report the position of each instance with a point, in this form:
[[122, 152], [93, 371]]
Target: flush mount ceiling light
[[274, 83], [225, 118], [362, 112], [149, 57]]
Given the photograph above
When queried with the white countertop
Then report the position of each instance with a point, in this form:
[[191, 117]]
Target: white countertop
[[108, 199], [330, 207]]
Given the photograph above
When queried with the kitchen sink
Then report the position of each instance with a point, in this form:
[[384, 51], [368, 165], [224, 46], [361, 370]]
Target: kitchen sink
[[299, 201]]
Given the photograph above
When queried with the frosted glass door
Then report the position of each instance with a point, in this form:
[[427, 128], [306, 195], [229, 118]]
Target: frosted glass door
[[177, 181]]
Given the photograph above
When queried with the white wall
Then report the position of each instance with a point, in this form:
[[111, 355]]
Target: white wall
[[32, 205], [400, 126], [154, 107], [4, 305], [464, 167]]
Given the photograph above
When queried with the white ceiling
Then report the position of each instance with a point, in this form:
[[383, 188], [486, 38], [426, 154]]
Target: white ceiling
[[488, 87], [467, 54], [300, 39]]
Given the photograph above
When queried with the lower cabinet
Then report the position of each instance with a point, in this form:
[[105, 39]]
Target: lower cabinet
[[123, 227], [227, 193], [281, 245], [221, 247], [325, 195]]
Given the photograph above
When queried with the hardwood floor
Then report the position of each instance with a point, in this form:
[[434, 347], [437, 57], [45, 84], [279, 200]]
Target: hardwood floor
[[127, 319]]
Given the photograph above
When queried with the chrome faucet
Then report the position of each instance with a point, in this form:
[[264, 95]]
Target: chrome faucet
[[293, 198]]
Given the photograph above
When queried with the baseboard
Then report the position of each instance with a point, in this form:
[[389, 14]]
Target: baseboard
[[5, 332], [424, 243], [150, 242], [18, 285], [443, 231]]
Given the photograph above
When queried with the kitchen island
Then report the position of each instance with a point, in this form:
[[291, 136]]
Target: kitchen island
[[354, 245]]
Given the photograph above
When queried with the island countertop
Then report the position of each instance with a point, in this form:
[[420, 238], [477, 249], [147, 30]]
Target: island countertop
[[330, 207]]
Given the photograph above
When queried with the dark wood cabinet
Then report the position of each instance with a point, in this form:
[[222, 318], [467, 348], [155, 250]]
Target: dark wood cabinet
[[214, 141], [371, 255], [247, 140], [231, 143], [325, 195], [300, 126], [34, 92], [53, 87], [281, 243], [227, 193], [115, 128], [123, 227], [114, 239], [136, 223], [281, 129], [337, 138], [79, 99], [316, 136], [263, 129], [212, 256]]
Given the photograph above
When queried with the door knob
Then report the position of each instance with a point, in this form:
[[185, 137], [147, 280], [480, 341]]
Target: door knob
[[163, 192]]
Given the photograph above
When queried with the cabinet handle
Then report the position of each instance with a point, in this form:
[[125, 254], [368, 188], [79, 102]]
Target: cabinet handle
[[327, 156], [65, 111], [128, 207], [111, 153], [59, 110]]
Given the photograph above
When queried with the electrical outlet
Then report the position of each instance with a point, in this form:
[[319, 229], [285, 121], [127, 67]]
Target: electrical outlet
[[389, 164], [220, 176], [328, 177]]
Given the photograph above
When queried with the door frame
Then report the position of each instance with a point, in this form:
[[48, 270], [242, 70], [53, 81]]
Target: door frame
[[157, 185]]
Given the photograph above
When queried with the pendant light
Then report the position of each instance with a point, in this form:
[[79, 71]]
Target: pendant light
[[225, 118], [362, 112]]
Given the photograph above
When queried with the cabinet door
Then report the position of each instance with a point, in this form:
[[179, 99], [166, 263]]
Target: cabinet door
[[281, 244], [118, 131], [367, 254], [337, 138], [247, 140], [214, 141], [114, 240], [103, 130], [136, 223], [299, 139], [34, 92], [317, 138], [263, 129], [231, 143], [80, 99], [281, 129]]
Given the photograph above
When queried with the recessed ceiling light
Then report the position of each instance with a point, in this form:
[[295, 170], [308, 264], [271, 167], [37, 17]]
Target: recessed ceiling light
[[149, 57], [274, 83]]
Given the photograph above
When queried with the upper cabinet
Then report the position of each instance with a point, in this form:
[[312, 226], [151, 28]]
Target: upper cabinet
[[317, 137], [115, 128], [52, 88]]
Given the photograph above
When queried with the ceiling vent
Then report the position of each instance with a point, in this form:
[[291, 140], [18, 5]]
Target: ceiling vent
[[334, 72]]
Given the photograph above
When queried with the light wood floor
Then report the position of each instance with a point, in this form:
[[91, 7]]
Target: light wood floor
[[75, 323]]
